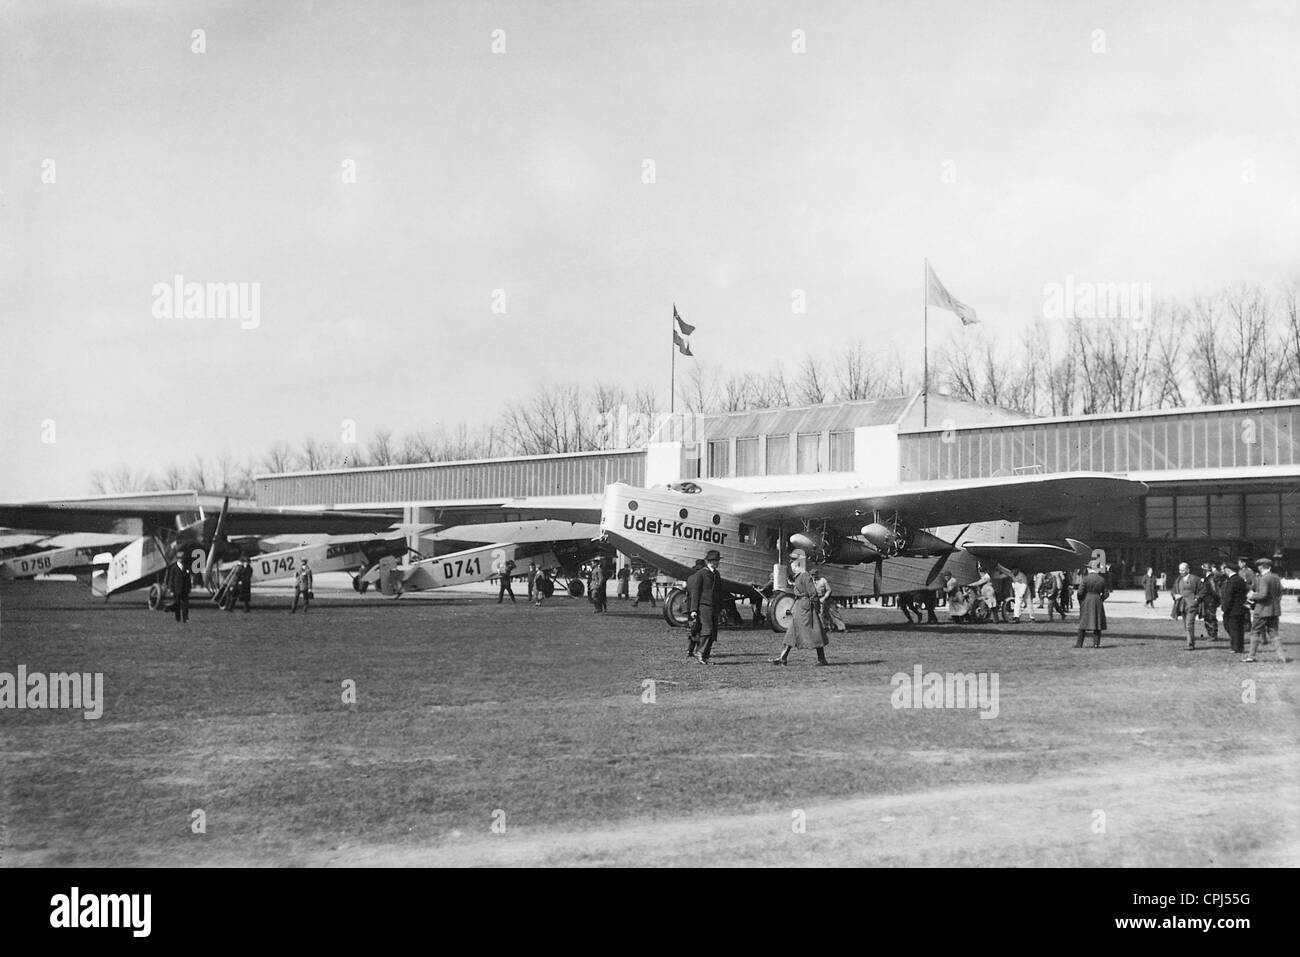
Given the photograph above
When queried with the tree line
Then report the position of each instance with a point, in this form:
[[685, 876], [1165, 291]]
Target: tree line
[[1241, 344]]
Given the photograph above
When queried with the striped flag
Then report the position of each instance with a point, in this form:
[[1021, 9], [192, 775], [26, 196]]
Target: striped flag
[[681, 330]]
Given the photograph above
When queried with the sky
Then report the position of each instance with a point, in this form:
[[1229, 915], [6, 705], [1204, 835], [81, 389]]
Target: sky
[[446, 206]]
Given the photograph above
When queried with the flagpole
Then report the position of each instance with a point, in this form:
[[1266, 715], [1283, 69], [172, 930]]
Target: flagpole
[[925, 340], [672, 381]]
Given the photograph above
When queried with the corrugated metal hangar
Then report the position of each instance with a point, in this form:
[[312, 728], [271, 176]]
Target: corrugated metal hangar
[[1224, 480]]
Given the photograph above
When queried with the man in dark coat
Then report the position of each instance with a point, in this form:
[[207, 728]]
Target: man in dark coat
[[1233, 595], [1207, 602], [599, 578], [1267, 596], [1093, 592], [178, 580], [706, 597], [242, 587], [302, 587], [504, 588], [1186, 594]]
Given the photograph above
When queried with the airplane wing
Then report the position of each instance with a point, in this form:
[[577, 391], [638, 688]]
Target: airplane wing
[[1034, 499], [241, 519], [1031, 558], [560, 508]]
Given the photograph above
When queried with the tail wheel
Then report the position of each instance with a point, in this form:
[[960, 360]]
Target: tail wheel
[[575, 588], [677, 608], [780, 610], [155, 597], [979, 611]]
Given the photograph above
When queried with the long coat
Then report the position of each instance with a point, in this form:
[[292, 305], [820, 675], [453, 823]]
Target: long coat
[[1149, 584], [1233, 595], [1093, 592], [704, 591], [806, 629], [178, 578]]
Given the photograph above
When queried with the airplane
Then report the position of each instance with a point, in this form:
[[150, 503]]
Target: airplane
[[61, 554], [165, 530], [483, 551], [866, 541], [355, 554]]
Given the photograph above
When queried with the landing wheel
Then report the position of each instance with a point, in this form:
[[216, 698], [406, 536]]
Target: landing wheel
[[979, 611], [155, 597], [575, 588], [1007, 610], [677, 608], [358, 584], [780, 610]]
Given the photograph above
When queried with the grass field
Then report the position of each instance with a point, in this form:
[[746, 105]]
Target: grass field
[[468, 714]]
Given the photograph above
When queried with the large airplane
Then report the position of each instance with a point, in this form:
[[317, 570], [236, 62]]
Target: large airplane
[[163, 530], [866, 541]]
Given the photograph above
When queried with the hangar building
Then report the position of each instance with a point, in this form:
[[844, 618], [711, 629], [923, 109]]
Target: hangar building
[[1224, 480]]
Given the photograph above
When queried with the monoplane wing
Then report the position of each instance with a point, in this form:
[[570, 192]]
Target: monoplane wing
[[1034, 499]]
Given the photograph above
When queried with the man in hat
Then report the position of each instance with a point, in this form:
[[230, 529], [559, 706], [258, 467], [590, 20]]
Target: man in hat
[[1207, 600], [302, 581], [1232, 593], [1267, 596], [178, 580], [1186, 594], [243, 584], [706, 595]]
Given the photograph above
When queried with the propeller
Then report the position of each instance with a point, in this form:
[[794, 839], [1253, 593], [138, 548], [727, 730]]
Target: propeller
[[211, 570], [877, 575], [943, 559]]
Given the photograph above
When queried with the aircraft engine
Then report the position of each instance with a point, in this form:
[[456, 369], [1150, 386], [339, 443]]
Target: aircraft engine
[[889, 540], [810, 543], [852, 551]]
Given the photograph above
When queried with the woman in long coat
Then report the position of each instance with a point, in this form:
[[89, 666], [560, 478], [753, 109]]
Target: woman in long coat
[[1149, 583], [806, 630], [1093, 592]]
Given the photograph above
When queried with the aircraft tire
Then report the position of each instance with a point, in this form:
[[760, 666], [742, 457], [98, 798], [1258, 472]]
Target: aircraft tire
[[1007, 610], [780, 608], [155, 597], [575, 588], [676, 608], [979, 611], [356, 584]]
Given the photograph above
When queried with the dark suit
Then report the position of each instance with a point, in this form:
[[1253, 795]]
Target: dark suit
[[178, 580], [1233, 596], [243, 586], [706, 599], [1207, 602]]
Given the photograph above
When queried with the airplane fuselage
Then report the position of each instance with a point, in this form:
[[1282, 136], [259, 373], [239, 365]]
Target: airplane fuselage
[[671, 529]]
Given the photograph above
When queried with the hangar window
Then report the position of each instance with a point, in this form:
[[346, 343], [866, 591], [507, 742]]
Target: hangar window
[[841, 451], [720, 459], [747, 458], [748, 534], [778, 455], [808, 453]]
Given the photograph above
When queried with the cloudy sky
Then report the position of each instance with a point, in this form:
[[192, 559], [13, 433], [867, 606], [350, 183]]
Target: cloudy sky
[[823, 147]]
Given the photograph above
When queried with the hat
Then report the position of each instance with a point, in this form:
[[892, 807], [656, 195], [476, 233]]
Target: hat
[[713, 555], [1264, 561], [797, 554]]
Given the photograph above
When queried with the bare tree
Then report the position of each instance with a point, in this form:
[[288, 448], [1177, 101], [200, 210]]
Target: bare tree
[[381, 448], [279, 458], [855, 376], [811, 385], [122, 478]]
